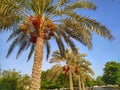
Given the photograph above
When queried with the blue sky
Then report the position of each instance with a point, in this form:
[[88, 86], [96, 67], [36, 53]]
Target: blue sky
[[107, 13]]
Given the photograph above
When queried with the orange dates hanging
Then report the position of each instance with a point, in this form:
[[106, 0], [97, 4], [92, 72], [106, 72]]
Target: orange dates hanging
[[33, 39]]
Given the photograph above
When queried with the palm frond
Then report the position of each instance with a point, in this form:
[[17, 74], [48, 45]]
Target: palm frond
[[21, 48], [47, 48], [83, 55], [98, 28], [53, 8], [56, 57], [59, 43], [32, 49], [81, 4], [70, 6], [12, 47], [76, 31], [22, 41], [14, 34], [9, 13], [54, 72], [88, 77], [68, 40], [17, 42]]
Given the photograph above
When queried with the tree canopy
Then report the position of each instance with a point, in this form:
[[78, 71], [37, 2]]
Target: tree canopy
[[12, 80], [112, 73]]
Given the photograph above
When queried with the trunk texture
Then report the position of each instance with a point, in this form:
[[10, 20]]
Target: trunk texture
[[37, 66], [83, 86], [70, 80], [79, 82]]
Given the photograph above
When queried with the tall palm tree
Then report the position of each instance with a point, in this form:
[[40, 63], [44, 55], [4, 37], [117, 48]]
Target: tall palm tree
[[37, 21]]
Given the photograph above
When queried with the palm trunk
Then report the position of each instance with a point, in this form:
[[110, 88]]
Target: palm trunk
[[79, 82], [37, 66], [83, 86], [70, 80]]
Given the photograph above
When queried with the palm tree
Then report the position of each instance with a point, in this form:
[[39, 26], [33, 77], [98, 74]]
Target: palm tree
[[68, 68], [35, 22], [82, 69], [84, 73], [74, 64]]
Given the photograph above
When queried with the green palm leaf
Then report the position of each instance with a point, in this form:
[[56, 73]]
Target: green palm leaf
[[54, 72]]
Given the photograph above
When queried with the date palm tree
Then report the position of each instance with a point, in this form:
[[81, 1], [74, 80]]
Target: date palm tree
[[83, 72], [75, 64], [35, 22], [67, 69]]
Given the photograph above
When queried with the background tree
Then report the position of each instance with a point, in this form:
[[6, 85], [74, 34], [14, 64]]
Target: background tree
[[23, 83], [41, 20], [9, 80], [12, 80], [61, 82], [99, 81], [90, 83], [48, 84], [112, 73]]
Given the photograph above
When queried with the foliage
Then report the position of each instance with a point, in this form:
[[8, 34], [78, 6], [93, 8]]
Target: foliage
[[112, 73], [61, 82], [12, 80], [90, 83], [46, 84], [9, 13], [99, 81], [8, 81], [70, 25]]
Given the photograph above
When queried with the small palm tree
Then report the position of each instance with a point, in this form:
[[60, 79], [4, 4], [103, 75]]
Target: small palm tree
[[68, 68], [35, 22], [74, 64], [84, 72]]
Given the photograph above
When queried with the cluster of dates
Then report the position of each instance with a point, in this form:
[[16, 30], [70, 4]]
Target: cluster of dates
[[66, 69], [33, 25], [76, 70]]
